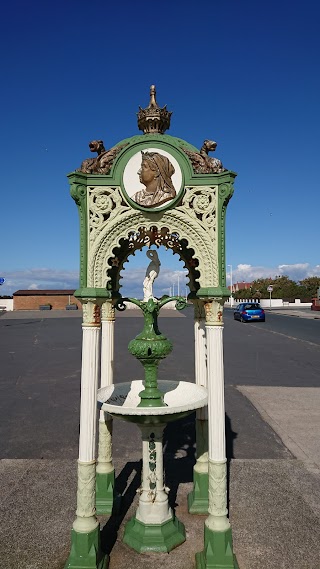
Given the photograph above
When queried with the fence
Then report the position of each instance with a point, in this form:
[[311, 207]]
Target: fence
[[270, 303]]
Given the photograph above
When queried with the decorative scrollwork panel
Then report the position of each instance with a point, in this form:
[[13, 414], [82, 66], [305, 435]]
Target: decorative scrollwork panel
[[169, 229]]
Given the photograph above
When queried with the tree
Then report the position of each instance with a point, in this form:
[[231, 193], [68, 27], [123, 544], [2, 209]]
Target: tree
[[311, 285]]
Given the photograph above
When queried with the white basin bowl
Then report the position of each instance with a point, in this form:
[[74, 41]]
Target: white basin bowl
[[181, 398]]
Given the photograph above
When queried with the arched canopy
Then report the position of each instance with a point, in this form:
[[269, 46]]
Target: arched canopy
[[189, 216]]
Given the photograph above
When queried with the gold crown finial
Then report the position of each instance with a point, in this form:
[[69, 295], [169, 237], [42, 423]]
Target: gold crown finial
[[153, 119]]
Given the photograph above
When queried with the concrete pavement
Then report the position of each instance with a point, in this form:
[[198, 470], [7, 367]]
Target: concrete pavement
[[274, 511]]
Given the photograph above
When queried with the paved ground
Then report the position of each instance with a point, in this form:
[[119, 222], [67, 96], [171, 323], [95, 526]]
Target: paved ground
[[297, 312], [274, 498], [293, 413]]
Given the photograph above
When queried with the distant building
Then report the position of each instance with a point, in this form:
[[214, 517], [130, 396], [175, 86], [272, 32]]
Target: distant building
[[33, 299], [239, 286]]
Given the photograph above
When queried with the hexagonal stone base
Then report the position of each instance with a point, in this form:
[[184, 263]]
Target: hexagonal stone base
[[160, 538]]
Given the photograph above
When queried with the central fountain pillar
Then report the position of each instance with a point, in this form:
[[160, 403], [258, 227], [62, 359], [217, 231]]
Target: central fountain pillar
[[154, 527]]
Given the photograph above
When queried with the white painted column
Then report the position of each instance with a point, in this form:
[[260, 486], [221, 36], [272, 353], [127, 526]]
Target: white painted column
[[153, 502], [104, 464], [107, 343], [200, 352], [86, 520], [217, 520]]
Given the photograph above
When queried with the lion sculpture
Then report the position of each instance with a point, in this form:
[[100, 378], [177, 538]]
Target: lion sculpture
[[103, 162]]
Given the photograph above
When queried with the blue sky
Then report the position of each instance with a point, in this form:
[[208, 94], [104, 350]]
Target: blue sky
[[244, 73]]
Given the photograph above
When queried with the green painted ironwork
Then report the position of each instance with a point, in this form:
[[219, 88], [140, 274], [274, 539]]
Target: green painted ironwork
[[198, 498], [86, 552], [160, 538], [150, 346], [218, 551]]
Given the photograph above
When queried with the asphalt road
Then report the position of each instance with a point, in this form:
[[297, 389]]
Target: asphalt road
[[40, 381]]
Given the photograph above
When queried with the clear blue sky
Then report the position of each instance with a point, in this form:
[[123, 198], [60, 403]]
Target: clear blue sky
[[242, 72]]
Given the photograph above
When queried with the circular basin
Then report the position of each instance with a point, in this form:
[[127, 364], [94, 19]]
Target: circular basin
[[181, 398]]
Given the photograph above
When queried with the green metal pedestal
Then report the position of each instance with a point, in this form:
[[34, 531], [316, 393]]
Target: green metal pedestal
[[198, 500], [86, 551], [160, 538], [218, 551], [105, 498]]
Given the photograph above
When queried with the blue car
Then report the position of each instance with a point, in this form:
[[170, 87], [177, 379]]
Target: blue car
[[248, 312]]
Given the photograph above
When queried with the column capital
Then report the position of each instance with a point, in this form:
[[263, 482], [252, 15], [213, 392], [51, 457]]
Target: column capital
[[91, 312], [92, 300], [199, 313], [214, 312], [108, 311]]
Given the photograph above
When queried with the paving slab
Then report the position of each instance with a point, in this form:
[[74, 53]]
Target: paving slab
[[275, 518], [293, 413], [274, 511]]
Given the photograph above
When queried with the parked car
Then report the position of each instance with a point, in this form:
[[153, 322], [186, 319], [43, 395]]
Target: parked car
[[249, 311]]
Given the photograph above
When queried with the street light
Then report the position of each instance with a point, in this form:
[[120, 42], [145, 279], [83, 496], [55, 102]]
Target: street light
[[231, 287]]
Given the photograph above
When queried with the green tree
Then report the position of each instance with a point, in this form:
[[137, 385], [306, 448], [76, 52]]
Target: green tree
[[283, 287], [311, 285]]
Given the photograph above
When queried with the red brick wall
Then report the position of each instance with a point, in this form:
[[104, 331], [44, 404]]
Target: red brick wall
[[58, 302]]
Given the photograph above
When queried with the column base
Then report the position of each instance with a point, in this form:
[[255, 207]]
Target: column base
[[105, 497], [218, 552], [198, 498], [86, 551], [160, 538]]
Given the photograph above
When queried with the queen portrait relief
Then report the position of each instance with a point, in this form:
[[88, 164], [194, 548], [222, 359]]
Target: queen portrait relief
[[155, 174]]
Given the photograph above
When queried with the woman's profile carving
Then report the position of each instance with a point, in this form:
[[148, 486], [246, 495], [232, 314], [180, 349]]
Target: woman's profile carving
[[155, 174]]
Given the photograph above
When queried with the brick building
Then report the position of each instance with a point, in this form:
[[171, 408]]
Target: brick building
[[239, 286], [33, 299]]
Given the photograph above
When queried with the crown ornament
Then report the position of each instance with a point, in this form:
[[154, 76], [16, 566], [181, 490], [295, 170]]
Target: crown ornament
[[153, 119]]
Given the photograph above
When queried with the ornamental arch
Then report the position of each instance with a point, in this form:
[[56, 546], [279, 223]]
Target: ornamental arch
[[193, 247]]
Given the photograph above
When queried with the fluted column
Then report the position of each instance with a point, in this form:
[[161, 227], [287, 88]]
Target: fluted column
[[217, 519], [105, 468], [198, 497], [86, 519], [107, 343], [85, 536], [218, 551]]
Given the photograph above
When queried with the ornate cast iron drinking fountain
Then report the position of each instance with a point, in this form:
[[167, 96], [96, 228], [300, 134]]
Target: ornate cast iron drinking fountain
[[151, 190]]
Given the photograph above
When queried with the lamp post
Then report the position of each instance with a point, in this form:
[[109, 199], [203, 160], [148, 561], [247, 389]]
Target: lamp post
[[231, 285]]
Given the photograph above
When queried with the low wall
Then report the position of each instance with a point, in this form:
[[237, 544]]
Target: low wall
[[266, 303], [6, 304]]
